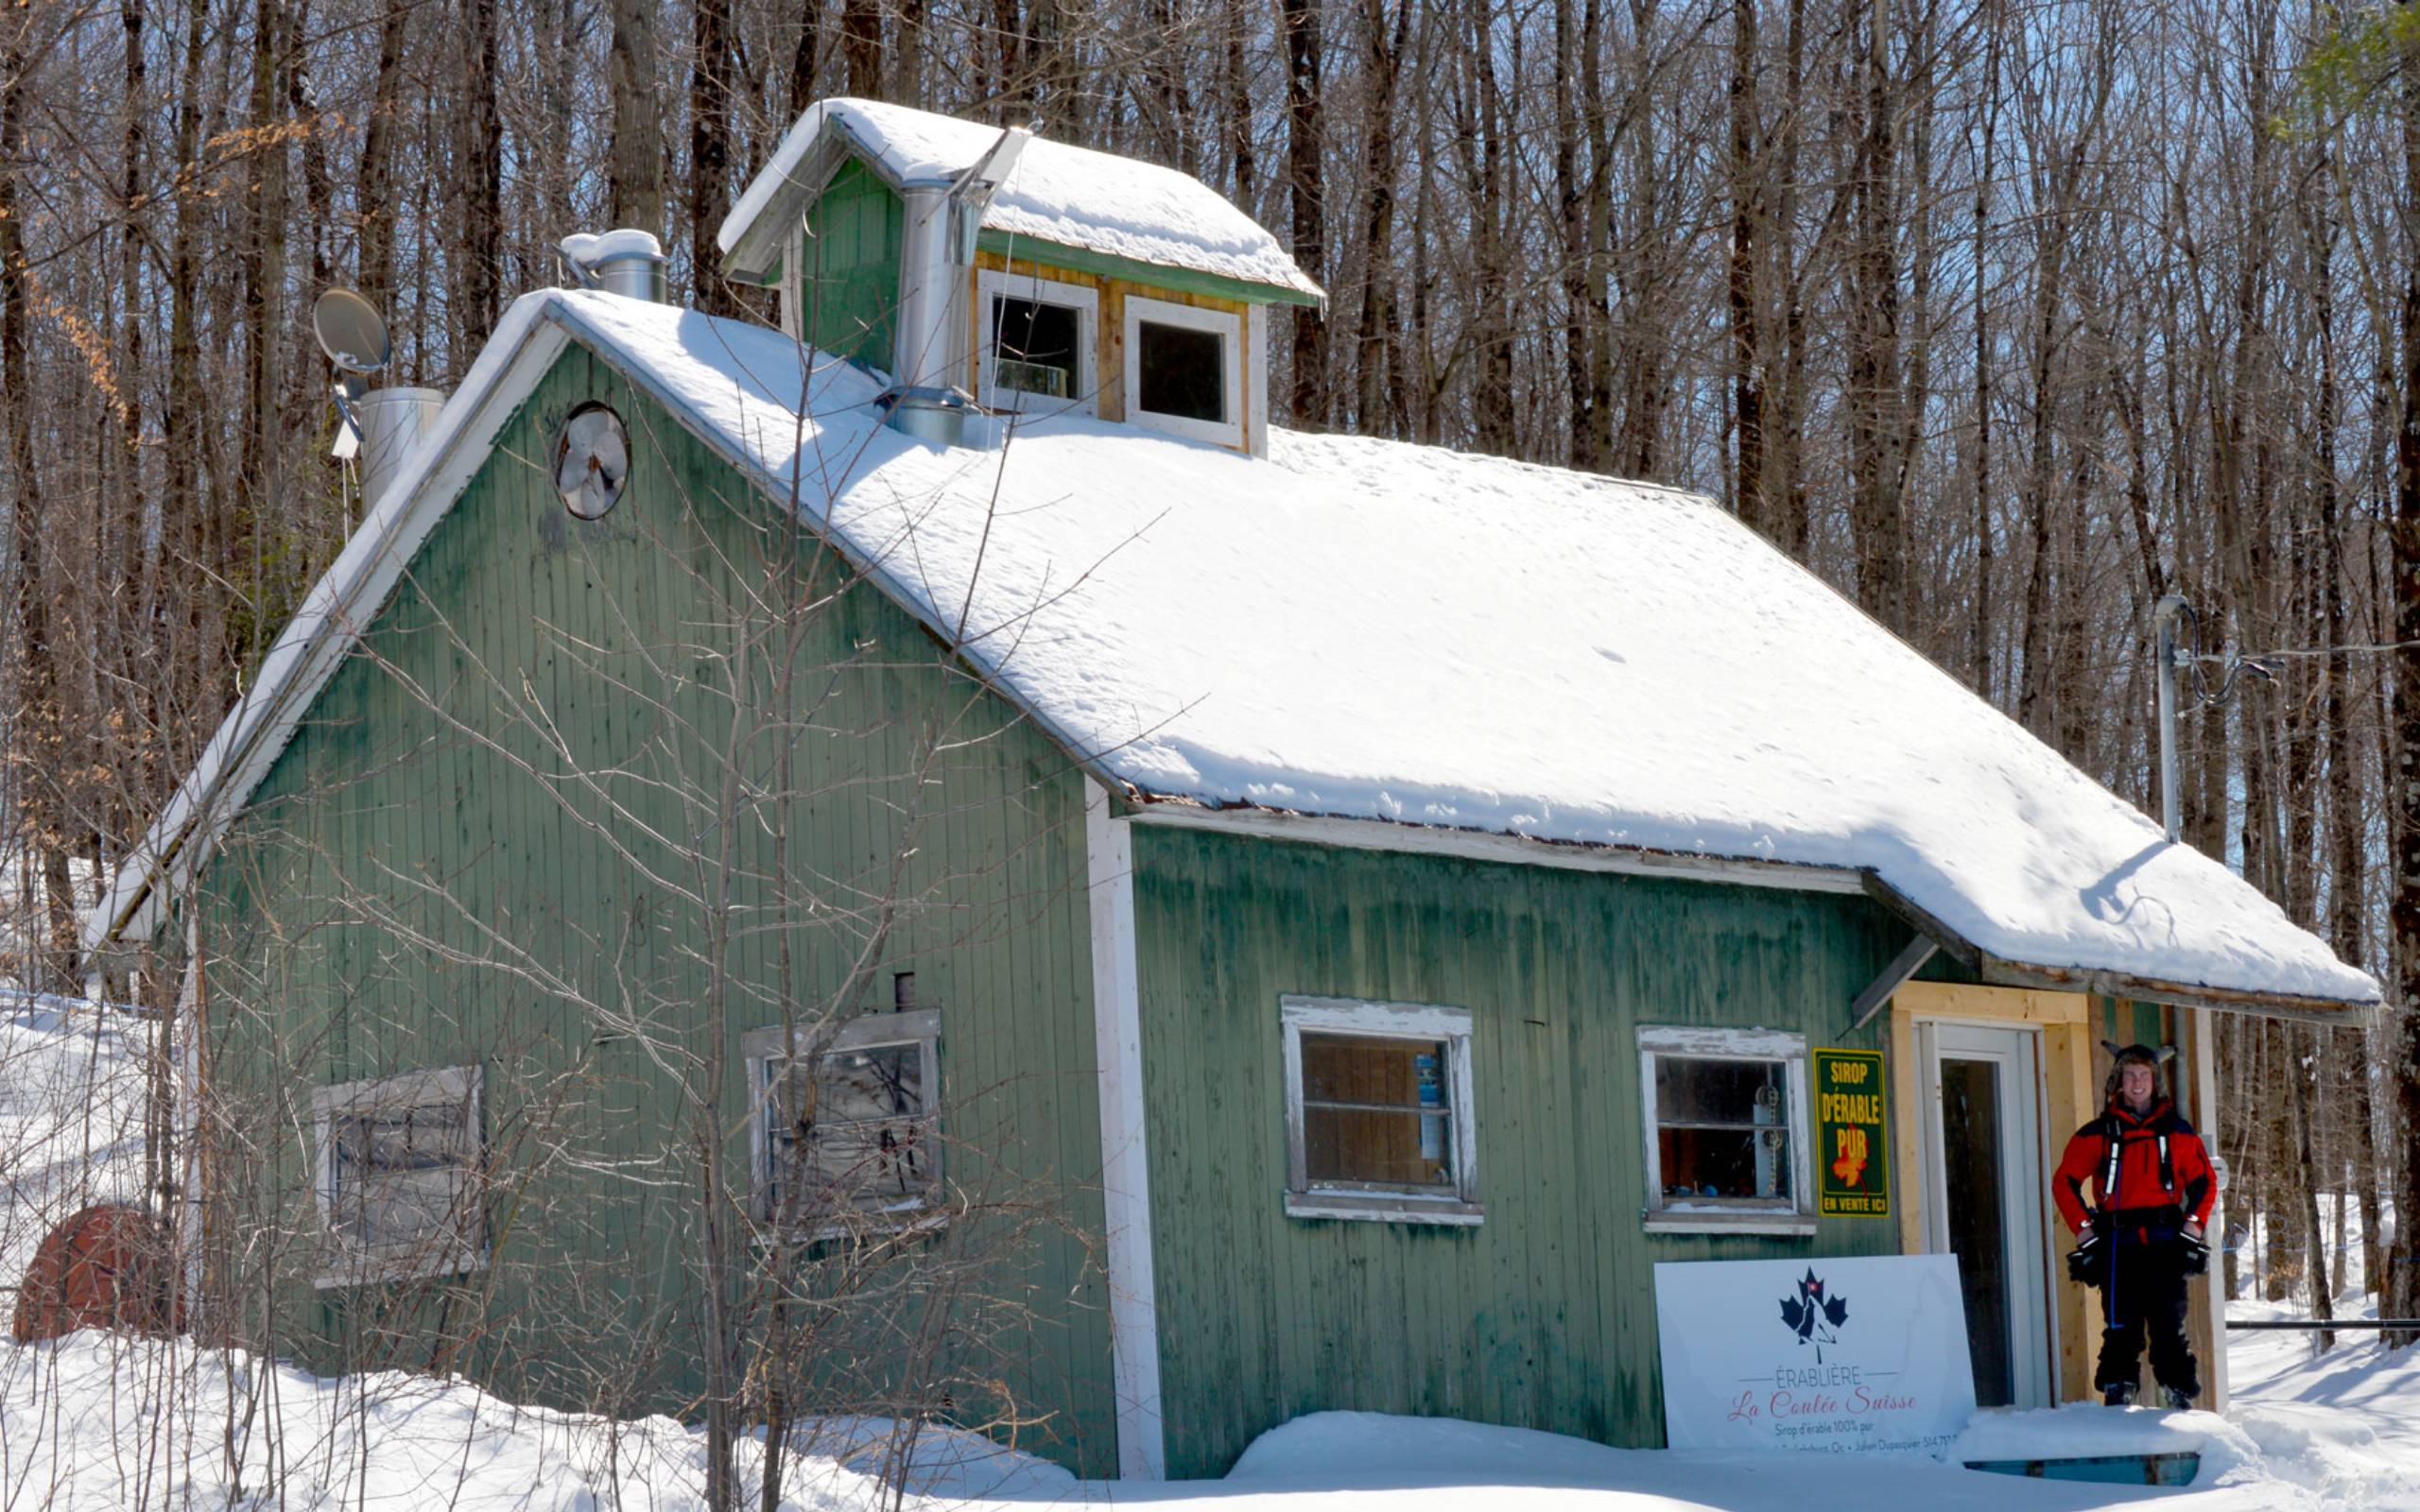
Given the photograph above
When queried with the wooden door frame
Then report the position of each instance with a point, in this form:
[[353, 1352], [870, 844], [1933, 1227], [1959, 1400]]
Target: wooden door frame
[[2068, 1094]]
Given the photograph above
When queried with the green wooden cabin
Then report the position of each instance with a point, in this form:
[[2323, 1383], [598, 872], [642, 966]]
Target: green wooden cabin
[[1122, 933]]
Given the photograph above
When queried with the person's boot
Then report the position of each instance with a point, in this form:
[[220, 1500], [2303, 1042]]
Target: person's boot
[[2119, 1394], [2180, 1398]]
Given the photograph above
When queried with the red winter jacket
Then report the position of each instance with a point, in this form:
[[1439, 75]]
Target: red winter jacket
[[2140, 1199]]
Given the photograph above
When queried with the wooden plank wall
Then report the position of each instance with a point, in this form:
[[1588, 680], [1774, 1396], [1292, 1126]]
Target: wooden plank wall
[[427, 881], [851, 291], [1543, 1316]]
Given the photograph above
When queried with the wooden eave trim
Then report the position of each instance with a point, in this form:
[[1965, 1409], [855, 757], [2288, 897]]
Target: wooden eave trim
[[1360, 833], [1183, 280]]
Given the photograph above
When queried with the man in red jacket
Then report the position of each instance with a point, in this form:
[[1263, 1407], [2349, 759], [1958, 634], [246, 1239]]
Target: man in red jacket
[[2142, 1234]]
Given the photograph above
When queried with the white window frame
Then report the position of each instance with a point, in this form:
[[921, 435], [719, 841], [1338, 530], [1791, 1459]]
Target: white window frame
[[1229, 328], [760, 1048], [345, 1263], [1420, 1022], [1084, 298], [1729, 1215]]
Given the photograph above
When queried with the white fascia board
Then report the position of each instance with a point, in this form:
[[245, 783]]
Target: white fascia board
[[316, 641], [1358, 833], [1126, 1170]]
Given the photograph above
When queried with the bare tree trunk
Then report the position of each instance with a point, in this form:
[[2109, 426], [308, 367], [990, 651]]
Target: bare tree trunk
[[1383, 41], [1305, 141], [634, 172], [2402, 1297], [482, 184], [1747, 357], [709, 154]]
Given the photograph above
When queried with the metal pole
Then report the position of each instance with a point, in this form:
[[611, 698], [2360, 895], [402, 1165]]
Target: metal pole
[[2171, 794]]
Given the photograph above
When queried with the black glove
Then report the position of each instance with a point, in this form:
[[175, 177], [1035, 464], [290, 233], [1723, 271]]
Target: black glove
[[2085, 1263], [2196, 1261]]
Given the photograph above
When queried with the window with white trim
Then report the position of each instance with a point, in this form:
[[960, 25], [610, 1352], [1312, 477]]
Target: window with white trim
[[1185, 369], [399, 1176], [1725, 1125], [847, 1137], [1035, 344], [1378, 1120]]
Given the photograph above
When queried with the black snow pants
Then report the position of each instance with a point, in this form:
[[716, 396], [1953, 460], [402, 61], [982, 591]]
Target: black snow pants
[[2145, 1294]]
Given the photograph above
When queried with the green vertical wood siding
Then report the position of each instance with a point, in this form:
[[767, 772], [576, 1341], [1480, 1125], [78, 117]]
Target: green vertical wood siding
[[426, 880], [1544, 1315], [851, 289]]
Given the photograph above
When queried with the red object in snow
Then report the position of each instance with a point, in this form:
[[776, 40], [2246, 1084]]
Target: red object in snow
[[108, 1268]]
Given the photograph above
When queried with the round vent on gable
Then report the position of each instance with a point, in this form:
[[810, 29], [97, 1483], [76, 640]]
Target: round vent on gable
[[591, 460]]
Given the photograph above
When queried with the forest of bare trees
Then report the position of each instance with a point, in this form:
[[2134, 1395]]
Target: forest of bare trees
[[2007, 318]]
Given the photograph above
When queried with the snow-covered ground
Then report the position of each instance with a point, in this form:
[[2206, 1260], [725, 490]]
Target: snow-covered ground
[[101, 1421]]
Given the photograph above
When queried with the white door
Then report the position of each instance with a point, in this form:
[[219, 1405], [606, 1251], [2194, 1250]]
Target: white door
[[1984, 1198]]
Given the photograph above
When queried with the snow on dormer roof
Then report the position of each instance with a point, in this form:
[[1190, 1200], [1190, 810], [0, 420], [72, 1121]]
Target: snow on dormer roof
[[1069, 196]]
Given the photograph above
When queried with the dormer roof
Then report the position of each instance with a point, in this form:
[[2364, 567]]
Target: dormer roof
[[1073, 197]]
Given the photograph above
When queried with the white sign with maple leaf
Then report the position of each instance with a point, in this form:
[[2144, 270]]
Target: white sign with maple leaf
[[1860, 1355]]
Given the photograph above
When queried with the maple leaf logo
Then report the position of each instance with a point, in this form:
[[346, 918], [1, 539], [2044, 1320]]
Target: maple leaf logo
[[1813, 1316], [1849, 1167]]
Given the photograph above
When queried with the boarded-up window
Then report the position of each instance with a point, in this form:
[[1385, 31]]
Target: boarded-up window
[[1378, 1111], [1374, 1111], [851, 1130], [848, 1134], [400, 1176]]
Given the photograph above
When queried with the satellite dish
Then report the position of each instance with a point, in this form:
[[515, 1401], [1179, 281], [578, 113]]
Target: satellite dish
[[353, 335], [351, 332]]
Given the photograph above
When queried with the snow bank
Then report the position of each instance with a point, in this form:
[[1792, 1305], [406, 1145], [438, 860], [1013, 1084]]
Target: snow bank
[[1059, 193], [101, 1421]]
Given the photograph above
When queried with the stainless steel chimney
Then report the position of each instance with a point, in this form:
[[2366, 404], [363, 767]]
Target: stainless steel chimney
[[393, 423], [627, 262], [933, 338]]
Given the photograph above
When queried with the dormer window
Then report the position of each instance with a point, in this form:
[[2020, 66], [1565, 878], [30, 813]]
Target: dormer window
[[1184, 370], [1036, 343]]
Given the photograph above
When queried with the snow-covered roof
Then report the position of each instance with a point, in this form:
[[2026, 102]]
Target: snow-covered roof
[[1401, 637], [1093, 201]]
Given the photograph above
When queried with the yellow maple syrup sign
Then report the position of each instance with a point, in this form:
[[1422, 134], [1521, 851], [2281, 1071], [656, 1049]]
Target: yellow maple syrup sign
[[1853, 1144]]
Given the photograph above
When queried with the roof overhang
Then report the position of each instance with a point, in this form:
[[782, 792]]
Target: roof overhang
[[1358, 832], [1996, 971]]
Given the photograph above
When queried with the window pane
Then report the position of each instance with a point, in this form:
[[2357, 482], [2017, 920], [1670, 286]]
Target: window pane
[[853, 1132], [1181, 372], [400, 1174], [1036, 345], [1702, 1164], [1396, 1149], [1339, 1068], [1375, 1110], [1693, 1090]]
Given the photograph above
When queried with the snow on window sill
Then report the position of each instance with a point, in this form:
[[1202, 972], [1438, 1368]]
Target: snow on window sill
[[1699, 1220], [1384, 1208], [397, 1262]]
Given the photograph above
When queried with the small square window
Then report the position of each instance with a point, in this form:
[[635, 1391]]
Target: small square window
[[1034, 348], [1378, 1111], [1726, 1130], [1185, 369], [850, 1137], [399, 1176]]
